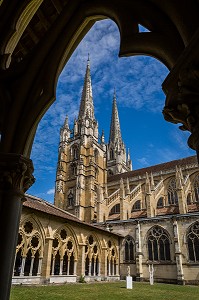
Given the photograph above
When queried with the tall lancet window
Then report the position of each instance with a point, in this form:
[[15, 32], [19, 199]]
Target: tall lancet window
[[172, 192], [111, 154], [96, 156], [75, 152], [129, 249], [193, 242], [196, 188], [158, 244]]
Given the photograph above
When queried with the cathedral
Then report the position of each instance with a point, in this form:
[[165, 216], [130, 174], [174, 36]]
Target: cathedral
[[107, 216]]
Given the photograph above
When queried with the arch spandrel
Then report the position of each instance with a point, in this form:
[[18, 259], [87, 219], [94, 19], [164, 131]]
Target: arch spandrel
[[33, 90]]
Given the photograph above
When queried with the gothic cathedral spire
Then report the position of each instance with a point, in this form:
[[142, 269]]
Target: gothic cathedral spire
[[81, 169], [86, 105], [117, 159], [115, 131], [86, 122]]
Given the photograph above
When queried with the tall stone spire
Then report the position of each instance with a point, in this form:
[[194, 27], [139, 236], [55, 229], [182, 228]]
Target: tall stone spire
[[117, 160], [115, 131], [86, 124], [86, 105]]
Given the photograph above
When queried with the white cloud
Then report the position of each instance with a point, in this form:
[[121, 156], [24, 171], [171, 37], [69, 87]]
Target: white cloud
[[143, 161], [137, 81], [51, 191]]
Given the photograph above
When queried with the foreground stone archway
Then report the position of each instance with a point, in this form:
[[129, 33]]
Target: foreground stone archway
[[33, 53]]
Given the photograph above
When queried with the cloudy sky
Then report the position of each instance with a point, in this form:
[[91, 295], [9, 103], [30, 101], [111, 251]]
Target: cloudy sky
[[140, 100]]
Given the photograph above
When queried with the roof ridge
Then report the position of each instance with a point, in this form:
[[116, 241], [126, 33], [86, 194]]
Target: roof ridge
[[51, 204]]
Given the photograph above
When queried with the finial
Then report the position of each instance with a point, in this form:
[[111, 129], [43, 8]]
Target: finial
[[88, 60], [102, 137]]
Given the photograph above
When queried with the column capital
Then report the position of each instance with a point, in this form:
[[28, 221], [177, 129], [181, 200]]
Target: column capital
[[15, 172], [182, 103]]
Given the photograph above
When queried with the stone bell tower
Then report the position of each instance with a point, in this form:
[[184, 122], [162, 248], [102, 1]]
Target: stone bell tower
[[81, 169]]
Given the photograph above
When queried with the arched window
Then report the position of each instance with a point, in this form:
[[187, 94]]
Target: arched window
[[172, 192], [111, 154], [91, 257], [160, 202], [75, 152], [136, 206], [111, 259], [129, 249], [73, 168], [29, 249], [196, 188], [115, 209], [63, 254], [110, 172], [158, 244], [71, 199], [96, 155], [193, 242]]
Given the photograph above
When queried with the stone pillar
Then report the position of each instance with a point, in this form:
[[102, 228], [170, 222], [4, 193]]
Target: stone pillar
[[89, 269], [149, 198], [75, 267], [109, 268], [22, 266], [53, 266], [46, 261], [117, 270], [178, 253], [68, 266], [182, 90], [94, 267], [15, 178], [182, 201], [99, 265], [105, 266], [39, 266], [83, 260], [31, 265], [61, 267], [139, 270]]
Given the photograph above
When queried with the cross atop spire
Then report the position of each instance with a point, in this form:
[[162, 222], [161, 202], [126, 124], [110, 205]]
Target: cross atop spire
[[115, 131], [86, 105]]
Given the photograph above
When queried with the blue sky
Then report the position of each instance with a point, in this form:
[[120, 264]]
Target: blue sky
[[140, 100]]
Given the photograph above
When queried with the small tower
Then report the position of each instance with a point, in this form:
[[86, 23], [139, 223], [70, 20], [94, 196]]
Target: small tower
[[118, 161], [82, 161]]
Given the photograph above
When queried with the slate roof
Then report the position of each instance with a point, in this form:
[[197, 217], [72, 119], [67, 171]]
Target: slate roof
[[41, 205], [191, 160]]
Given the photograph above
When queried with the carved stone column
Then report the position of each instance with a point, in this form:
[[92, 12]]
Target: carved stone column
[[182, 103], [178, 254], [15, 178], [139, 269]]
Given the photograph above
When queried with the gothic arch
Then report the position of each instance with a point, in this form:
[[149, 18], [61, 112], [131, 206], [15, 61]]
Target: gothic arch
[[21, 23], [168, 31], [70, 236], [64, 252], [158, 243], [128, 249], [136, 205], [196, 188], [30, 247], [36, 222], [192, 241], [114, 209], [172, 195]]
